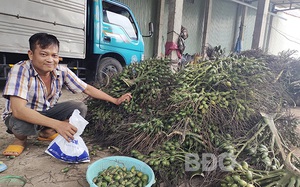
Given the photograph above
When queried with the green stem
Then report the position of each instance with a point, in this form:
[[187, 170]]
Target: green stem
[[268, 172], [251, 139], [270, 177], [205, 70]]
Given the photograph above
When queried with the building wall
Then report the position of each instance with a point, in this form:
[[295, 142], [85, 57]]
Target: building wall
[[192, 20], [225, 24], [223, 28], [248, 29], [285, 33], [193, 12], [146, 11]]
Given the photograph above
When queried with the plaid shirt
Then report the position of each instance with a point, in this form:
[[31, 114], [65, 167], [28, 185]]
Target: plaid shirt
[[23, 81]]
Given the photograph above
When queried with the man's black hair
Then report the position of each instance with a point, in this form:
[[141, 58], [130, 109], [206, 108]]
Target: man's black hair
[[44, 40]]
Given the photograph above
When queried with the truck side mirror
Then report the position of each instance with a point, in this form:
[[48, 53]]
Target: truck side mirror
[[151, 30]]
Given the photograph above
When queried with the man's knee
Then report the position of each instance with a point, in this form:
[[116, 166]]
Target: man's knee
[[19, 127], [82, 108]]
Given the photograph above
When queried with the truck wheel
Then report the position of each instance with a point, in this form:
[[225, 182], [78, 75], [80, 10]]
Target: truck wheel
[[107, 68]]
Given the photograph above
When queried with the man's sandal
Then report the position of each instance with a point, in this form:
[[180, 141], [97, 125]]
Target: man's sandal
[[13, 150], [50, 138]]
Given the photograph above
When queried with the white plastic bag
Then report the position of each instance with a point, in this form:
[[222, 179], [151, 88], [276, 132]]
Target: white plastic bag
[[75, 151]]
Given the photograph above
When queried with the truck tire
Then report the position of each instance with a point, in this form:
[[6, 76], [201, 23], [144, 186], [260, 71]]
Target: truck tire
[[107, 68]]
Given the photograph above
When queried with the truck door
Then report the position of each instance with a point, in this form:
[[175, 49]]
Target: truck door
[[120, 33]]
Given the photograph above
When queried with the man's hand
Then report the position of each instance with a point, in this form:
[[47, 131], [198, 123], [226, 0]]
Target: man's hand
[[66, 130], [126, 97], [98, 94]]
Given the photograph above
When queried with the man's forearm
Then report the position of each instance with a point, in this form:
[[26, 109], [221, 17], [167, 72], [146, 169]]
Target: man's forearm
[[98, 94], [34, 117]]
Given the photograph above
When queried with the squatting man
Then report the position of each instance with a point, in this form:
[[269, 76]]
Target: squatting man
[[32, 90]]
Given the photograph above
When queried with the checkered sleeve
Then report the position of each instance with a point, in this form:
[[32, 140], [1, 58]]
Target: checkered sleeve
[[17, 82], [73, 82]]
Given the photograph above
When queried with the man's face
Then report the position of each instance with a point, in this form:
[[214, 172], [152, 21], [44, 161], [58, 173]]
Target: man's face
[[44, 60]]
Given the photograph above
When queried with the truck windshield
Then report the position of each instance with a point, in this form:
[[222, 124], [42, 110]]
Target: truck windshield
[[121, 17]]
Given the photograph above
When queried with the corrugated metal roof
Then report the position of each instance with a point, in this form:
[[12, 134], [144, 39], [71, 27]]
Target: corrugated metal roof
[[283, 5], [280, 5]]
